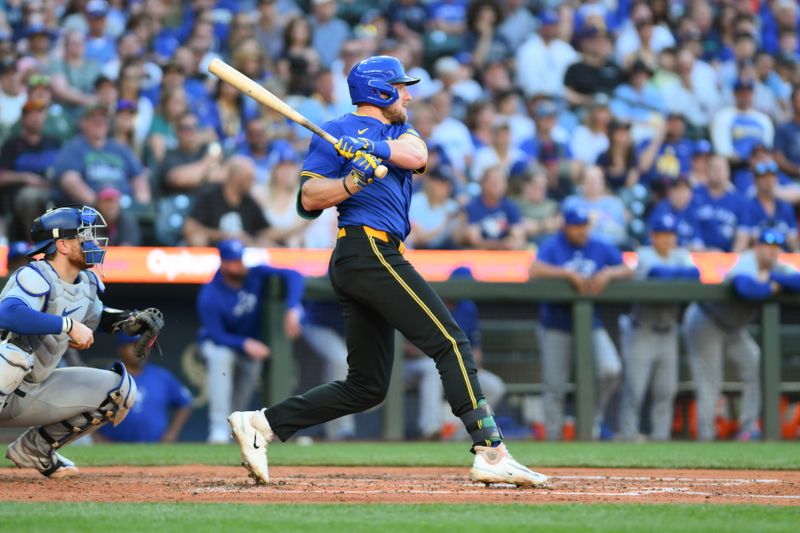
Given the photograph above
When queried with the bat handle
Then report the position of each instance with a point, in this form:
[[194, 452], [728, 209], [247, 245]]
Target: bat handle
[[380, 172]]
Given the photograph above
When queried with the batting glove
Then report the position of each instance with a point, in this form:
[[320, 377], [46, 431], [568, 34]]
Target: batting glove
[[347, 146], [362, 169]]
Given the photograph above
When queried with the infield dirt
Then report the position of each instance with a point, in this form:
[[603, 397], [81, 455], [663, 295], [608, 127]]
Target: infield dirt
[[201, 483]]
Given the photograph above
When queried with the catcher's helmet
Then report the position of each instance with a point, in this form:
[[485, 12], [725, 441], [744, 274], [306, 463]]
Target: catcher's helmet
[[83, 223], [370, 80]]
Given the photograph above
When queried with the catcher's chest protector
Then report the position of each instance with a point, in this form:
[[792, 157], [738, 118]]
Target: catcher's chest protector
[[76, 300]]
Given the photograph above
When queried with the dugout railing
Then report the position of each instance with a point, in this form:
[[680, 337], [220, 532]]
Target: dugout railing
[[281, 377]]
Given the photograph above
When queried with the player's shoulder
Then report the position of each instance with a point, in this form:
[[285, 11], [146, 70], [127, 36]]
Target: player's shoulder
[[31, 280], [93, 279], [342, 124]]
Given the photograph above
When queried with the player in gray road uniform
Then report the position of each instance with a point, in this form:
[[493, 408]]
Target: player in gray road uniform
[[45, 307], [650, 336], [714, 329]]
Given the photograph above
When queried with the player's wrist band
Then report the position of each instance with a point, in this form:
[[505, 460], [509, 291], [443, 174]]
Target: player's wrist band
[[66, 325], [344, 183], [381, 150]]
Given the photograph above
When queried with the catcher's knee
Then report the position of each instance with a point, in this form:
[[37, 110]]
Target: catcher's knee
[[15, 364], [114, 409]]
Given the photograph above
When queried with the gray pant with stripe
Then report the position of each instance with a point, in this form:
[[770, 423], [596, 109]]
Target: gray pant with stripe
[[707, 344], [556, 366]]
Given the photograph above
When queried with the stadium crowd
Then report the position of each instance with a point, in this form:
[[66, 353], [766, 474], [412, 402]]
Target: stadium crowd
[[633, 109]]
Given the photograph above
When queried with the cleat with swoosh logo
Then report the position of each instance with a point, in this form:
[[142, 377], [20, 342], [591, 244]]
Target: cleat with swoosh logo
[[252, 433], [495, 465]]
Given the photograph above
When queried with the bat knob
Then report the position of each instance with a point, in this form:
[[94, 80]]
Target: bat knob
[[380, 172]]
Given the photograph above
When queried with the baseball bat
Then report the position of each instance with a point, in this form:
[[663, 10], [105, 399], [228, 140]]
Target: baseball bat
[[263, 96]]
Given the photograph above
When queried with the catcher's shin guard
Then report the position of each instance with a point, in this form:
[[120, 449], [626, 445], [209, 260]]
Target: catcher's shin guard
[[114, 409]]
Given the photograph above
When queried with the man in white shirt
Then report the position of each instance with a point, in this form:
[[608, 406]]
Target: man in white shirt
[[543, 59]]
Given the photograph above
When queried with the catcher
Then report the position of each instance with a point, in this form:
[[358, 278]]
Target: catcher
[[45, 307]]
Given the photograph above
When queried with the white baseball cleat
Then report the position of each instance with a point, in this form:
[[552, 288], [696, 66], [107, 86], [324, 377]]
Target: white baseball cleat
[[252, 432], [495, 465], [56, 467]]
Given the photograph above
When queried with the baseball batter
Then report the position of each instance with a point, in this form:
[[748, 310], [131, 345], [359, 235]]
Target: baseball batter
[[46, 307], [379, 290], [650, 336], [714, 329], [589, 265]]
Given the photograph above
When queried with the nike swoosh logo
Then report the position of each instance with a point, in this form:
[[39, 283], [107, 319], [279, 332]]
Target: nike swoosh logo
[[66, 312], [361, 132], [255, 442]]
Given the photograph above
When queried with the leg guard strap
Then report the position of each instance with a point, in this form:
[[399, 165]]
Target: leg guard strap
[[481, 426]]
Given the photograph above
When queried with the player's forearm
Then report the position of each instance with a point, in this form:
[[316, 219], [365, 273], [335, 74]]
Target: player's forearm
[[319, 193], [175, 427], [73, 186], [790, 282], [408, 152], [541, 270], [17, 317], [618, 272]]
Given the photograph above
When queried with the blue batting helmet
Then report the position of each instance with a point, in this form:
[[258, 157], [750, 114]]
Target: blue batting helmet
[[370, 80], [83, 223]]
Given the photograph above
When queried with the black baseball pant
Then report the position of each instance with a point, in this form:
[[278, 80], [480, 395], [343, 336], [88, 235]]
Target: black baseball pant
[[380, 291]]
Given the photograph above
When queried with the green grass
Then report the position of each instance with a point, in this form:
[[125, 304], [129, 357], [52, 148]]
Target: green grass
[[731, 455], [197, 518]]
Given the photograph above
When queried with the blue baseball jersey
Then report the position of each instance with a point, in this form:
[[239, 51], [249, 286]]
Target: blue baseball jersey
[[229, 316], [717, 217], [495, 221], [755, 218], [744, 181], [586, 260], [673, 159], [746, 133], [688, 234], [384, 204], [158, 391]]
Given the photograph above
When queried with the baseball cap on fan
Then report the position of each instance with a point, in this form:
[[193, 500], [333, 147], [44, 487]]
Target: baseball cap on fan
[[576, 215], [230, 250], [666, 223]]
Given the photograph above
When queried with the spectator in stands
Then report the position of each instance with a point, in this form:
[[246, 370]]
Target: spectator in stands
[[279, 199], [407, 19], [499, 153], [250, 59], [668, 153], [589, 266], [130, 79], [163, 137], [650, 337], [638, 102], [511, 110], [263, 150], [26, 160], [73, 78], [641, 39], [451, 134], [123, 126], [482, 39], [606, 211], [163, 405], [619, 162], [678, 203], [123, 229], [269, 27], [191, 164], [541, 217], [543, 59], [100, 47], [554, 155], [433, 211], [744, 51], [765, 211], [596, 72], [787, 140], [55, 124], [693, 93], [12, 95], [227, 210], [40, 44], [590, 140], [493, 221], [319, 105], [92, 162], [227, 115], [329, 31], [718, 206], [518, 23], [701, 153], [128, 47], [714, 330], [229, 308], [736, 130], [17, 255]]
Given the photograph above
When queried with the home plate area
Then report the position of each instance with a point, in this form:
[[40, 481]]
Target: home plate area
[[201, 483]]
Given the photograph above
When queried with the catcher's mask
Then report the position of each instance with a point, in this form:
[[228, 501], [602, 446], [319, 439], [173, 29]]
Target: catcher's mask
[[83, 223]]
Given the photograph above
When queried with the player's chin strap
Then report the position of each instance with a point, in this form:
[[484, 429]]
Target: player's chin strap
[[114, 409], [481, 426]]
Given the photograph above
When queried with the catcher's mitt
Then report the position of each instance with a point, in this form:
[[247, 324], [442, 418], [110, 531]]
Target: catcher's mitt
[[147, 324]]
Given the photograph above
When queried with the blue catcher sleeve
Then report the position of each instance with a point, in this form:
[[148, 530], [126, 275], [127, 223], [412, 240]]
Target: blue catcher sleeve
[[16, 316], [750, 288], [790, 282]]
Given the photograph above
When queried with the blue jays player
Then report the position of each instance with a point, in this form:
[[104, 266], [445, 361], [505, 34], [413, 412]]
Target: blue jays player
[[229, 307], [588, 265], [650, 336], [679, 204], [47, 306], [718, 207], [378, 289], [712, 330]]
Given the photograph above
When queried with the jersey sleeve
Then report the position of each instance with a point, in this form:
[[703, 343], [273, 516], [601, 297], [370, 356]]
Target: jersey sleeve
[[322, 160], [179, 396], [408, 129], [547, 253], [613, 256]]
